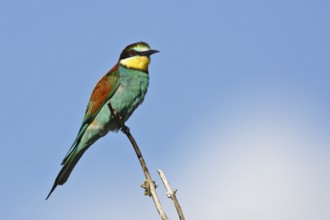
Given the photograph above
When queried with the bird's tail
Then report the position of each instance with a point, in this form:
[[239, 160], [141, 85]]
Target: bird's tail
[[70, 162]]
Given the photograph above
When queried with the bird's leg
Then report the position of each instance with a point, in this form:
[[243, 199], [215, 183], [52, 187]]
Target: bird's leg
[[120, 120], [116, 114]]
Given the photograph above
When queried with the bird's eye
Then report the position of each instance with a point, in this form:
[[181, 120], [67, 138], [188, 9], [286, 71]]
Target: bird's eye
[[133, 52]]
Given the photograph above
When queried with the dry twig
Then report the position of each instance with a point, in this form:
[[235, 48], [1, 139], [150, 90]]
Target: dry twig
[[171, 194], [149, 184]]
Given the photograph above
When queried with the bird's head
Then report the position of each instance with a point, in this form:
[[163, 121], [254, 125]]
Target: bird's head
[[136, 56]]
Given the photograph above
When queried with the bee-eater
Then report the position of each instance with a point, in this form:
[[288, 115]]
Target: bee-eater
[[124, 86]]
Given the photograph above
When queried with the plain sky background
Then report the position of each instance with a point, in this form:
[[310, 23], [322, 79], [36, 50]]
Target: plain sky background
[[236, 115]]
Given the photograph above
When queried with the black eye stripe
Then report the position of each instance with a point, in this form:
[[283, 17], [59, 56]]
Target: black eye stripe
[[130, 53]]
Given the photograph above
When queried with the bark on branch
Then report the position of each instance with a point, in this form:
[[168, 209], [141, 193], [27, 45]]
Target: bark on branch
[[171, 193]]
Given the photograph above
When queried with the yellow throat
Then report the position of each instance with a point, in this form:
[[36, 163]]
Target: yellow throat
[[136, 62]]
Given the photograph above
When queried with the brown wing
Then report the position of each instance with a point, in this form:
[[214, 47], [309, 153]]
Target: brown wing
[[102, 92]]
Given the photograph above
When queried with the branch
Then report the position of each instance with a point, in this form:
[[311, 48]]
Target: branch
[[148, 185], [171, 194]]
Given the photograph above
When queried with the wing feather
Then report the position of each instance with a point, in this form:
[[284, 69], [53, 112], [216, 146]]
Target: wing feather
[[103, 91]]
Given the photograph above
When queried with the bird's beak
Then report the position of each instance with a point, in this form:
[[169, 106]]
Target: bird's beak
[[149, 52]]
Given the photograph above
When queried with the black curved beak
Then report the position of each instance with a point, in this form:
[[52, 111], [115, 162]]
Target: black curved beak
[[149, 52]]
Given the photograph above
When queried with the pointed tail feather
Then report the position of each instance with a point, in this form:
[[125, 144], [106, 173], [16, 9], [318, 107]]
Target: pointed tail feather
[[66, 170]]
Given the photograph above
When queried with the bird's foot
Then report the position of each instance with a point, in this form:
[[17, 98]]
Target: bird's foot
[[146, 186], [119, 119], [116, 114]]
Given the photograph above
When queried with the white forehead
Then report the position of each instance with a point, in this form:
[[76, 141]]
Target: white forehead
[[141, 48]]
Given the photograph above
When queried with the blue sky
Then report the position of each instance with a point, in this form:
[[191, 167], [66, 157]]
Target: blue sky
[[236, 115]]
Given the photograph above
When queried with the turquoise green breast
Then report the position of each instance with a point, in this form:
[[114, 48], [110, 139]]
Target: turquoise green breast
[[132, 89], [129, 95]]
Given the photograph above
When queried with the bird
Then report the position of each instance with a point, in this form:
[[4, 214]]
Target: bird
[[124, 87]]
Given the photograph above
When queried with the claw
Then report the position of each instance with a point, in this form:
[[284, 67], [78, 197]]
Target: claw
[[120, 119]]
